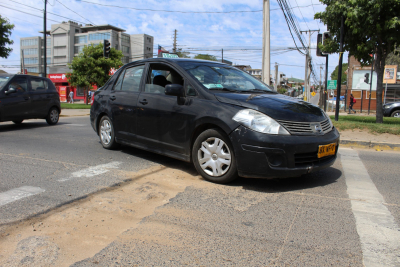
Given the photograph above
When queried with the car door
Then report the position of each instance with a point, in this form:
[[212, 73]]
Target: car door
[[17, 105], [38, 94], [123, 98], [164, 124]]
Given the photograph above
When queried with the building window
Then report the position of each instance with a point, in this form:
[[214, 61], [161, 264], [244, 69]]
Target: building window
[[125, 49], [125, 38], [99, 36], [31, 60], [29, 42], [81, 39], [32, 69], [48, 61], [48, 42], [48, 52], [78, 49], [125, 60], [116, 47], [30, 51], [149, 39]]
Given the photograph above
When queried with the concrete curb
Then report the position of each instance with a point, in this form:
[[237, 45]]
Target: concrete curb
[[369, 144]]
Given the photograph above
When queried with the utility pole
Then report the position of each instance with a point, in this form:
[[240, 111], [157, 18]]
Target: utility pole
[[222, 56], [44, 41], [308, 67], [174, 48], [339, 80], [276, 77], [22, 62], [266, 44]]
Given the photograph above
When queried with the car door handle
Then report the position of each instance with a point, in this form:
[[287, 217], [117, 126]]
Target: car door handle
[[144, 102], [113, 97]]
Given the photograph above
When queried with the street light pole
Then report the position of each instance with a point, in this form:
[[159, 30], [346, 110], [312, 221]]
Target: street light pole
[[44, 41]]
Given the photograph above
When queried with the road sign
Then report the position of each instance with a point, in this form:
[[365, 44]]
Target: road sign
[[169, 55], [332, 84], [313, 93]]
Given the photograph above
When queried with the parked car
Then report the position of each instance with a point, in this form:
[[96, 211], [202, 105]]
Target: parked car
[[223, 120], [391, 109], [25, 97]]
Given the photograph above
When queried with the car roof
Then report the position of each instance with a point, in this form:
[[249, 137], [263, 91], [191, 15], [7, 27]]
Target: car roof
[[175, 60]]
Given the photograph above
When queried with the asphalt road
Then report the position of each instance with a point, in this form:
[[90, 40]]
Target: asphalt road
[[346, 215]]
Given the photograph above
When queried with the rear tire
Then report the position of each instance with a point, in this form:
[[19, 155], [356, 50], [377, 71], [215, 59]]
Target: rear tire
[[18, 122], [53, 116], [213, 157], [106, 133], [396, 114]]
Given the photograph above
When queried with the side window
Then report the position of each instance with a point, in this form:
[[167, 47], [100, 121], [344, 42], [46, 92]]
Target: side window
[[37, 84], [132, 77], [20, 84], [118, 84], [159, 76], [190, 91]]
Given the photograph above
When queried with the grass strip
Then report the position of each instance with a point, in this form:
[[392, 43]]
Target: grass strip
[[389, 125], [74, 106]]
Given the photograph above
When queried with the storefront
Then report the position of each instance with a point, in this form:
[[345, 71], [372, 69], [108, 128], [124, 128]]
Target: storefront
[[64, 88]]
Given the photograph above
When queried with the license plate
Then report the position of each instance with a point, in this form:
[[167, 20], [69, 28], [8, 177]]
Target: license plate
[[326, 150]]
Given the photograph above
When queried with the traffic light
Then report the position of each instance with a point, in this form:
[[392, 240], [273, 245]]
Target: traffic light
[[319, 41], [106, 48], [326, 36], [366, 80]]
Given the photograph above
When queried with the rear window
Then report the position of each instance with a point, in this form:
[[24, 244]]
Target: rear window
[[38, 84]]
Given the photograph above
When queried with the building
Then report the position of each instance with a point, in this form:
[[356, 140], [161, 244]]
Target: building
[[356, 85], [66, 40]]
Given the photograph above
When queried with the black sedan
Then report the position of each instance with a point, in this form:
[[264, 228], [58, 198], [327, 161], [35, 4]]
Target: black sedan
[[222, 119], [391, 110]]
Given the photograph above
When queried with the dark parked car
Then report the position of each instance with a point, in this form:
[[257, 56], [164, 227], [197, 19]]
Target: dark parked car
[[222, 119], [391, 110], [25, 97]]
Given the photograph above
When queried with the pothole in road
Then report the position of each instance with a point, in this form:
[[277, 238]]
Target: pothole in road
[[80, 229]]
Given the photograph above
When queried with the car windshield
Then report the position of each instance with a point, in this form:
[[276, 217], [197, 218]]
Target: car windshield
[[224, 78], [4, 79]]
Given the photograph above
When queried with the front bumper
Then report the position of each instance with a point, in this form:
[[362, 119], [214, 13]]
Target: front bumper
[[276, 156], [387, 112]]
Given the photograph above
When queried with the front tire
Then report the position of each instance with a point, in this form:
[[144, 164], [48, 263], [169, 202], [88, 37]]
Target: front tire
[[53, 116], [396, 114], [213, 157], [106, 133]]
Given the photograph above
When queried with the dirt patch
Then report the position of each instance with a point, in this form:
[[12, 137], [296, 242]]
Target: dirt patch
[[357, 135], [81, 229]]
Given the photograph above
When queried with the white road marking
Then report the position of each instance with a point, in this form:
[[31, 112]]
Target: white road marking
[[378, 231], [19, 193], [73, 124], [93, 171]]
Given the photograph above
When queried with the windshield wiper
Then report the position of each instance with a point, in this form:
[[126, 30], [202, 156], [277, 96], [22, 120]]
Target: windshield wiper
[[261, 91], [224, 89]]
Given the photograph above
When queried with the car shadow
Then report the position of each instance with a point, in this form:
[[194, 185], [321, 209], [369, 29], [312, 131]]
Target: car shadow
[[318, 179], [26, 126]]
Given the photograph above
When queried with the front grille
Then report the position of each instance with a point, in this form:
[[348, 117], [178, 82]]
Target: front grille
[[306, 128], [309, 159]]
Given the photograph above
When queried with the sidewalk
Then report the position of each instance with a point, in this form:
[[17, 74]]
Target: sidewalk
[[351, 139]]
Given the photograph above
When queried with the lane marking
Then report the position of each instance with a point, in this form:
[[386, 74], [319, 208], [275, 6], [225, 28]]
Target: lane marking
[[19, 193], [93, 171], [378, 231]]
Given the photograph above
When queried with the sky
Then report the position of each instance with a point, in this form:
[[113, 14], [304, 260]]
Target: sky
[[236, 28]]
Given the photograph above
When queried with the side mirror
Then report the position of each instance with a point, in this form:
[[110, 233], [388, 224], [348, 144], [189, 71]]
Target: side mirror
[[175, 90], [10, 91]]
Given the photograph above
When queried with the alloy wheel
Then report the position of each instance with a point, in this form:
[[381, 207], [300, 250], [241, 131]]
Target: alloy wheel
[[105, 132], [54, 116]]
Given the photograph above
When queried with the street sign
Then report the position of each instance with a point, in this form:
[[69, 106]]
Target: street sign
[[313, 93], [168, 55], [332, 84]]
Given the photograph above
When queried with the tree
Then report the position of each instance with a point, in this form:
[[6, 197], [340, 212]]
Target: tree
[[91, 68], [334, 75], [5, 34], [394, 57], [371, 27], [206, 57], [182, 54]]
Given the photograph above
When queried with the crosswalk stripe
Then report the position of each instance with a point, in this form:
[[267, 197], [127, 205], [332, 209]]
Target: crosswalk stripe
[[92, 171], [19, 193], [378, 231]]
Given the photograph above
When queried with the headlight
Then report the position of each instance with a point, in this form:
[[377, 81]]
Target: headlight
[[259, 122], [388, 106]]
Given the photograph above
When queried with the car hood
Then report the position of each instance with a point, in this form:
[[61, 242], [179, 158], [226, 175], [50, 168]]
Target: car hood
[[277, 106]]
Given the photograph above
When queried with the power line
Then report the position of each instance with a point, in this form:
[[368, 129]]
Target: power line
[[29, 13], [75, 12]]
